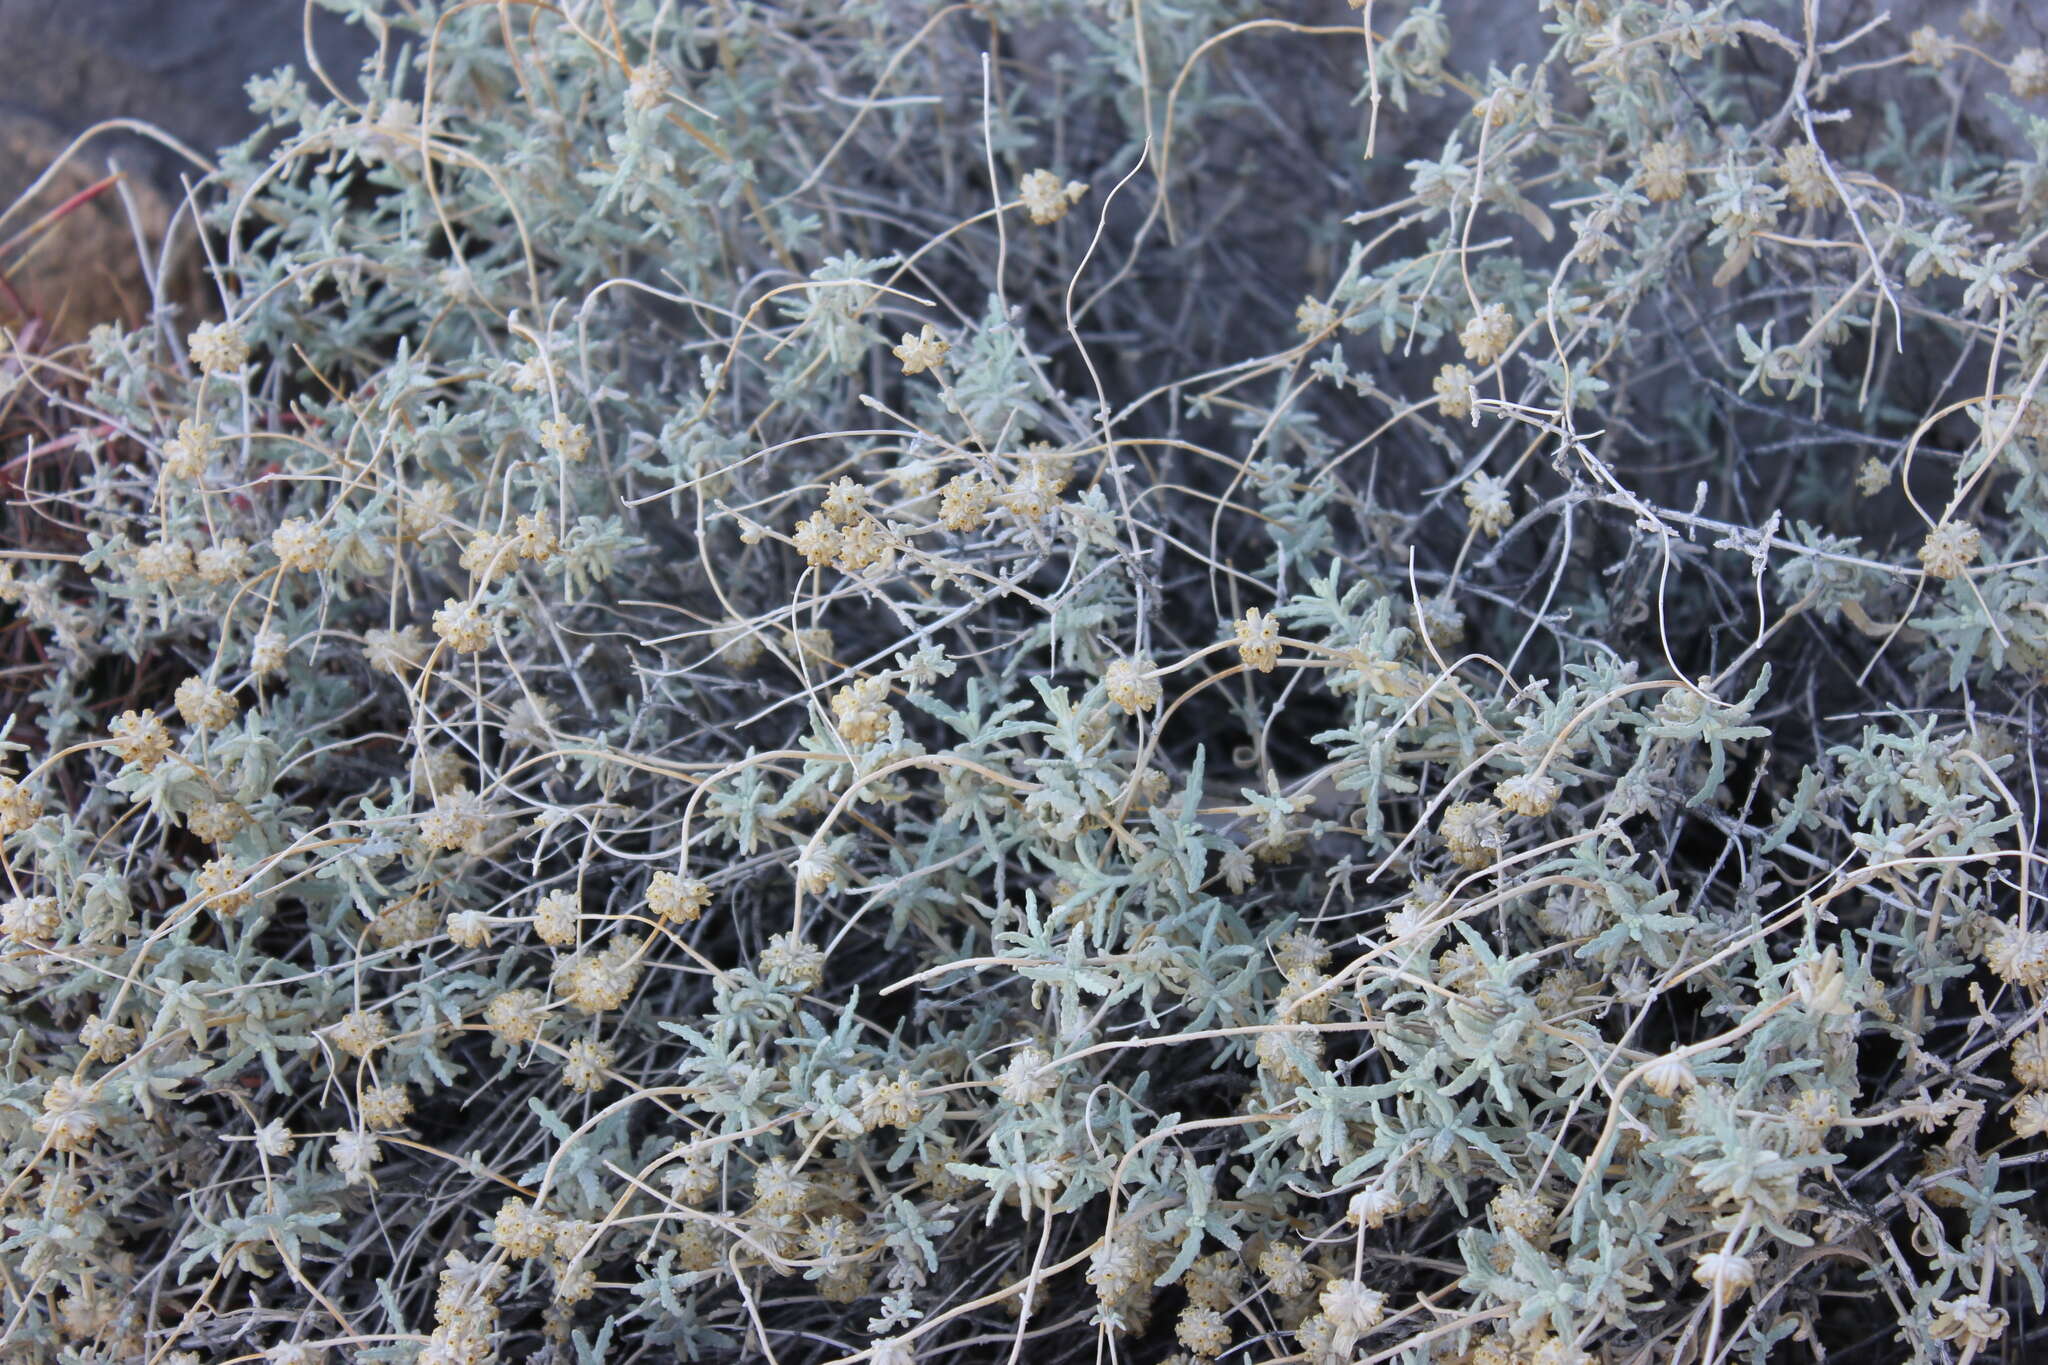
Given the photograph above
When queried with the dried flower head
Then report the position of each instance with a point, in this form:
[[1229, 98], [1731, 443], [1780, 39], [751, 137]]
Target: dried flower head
[[360, 1032], [139, 737], [1258, 640], [583, 1070], [300, 544], [924, 351], [464, 625], [1472, 831], [1724, 1275], [1664, 170], [1950, 549], [218, 348], [1531, 794], [1130, 685], [1456, 398], [679, 900], [1486, 335], [1046, 199], [203, 706]]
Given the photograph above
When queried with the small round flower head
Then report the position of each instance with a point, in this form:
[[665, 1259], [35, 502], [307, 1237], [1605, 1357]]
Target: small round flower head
[[300, 544], [1667, 1076], [438, 771], [1301, 956], [816, 870], [360, 1032], [1487, 334], [2017, 955], [1874, 477], [1664, 165], [779, 1187], [1455, 395], [1490, 510], [139, 737], [425, 510], [535, 374], [396, 652], [1285, 1266], [2030, 1114], [162, 563], [1215, 1281], [31, 919], [218, 348], [457, 821], [515, 1016], [1928, 46], [788, 960], [554, 918], [1442, 622], [267, 652], [1030, 1077], [817, 540], [584, 1069], [1981, 23], [1372, 1206], [1471, 831], [275, 1140], [1258, 640], [220, 884], [295, 1353], [217, 822], [1203, 1331], [104, 1040], [464, 625], [1317, 1337], [679, 900], [1352, 1307], [600, 981], [2030, 1059], [1724, 1275], [1805, 178], [521, 1231], [1045, 199], [1035, 488], [892, 1103], [469, 929], [1130, 686], [204, 706], [1314, 317], [925, 351], [2027, 73], [892, 1351], [70, 1114], [565, 440], [1527, 1215], [1971, 1323], [19, 807], [355, 1154], [185, 453], [694, 1178], [1284, 1055], [225, 561], [386, 1106], [964, 502], [1529, 794], [1950, 549], [646, 87], [845, 501], [533, 537]]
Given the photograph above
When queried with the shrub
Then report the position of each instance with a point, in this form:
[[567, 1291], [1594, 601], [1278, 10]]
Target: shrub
[[869, 681]]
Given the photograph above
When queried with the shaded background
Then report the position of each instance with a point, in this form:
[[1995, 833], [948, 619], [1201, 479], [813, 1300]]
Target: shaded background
[[66, 65]]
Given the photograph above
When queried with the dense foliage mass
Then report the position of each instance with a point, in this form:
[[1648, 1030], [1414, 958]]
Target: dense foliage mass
[[874, 681]]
